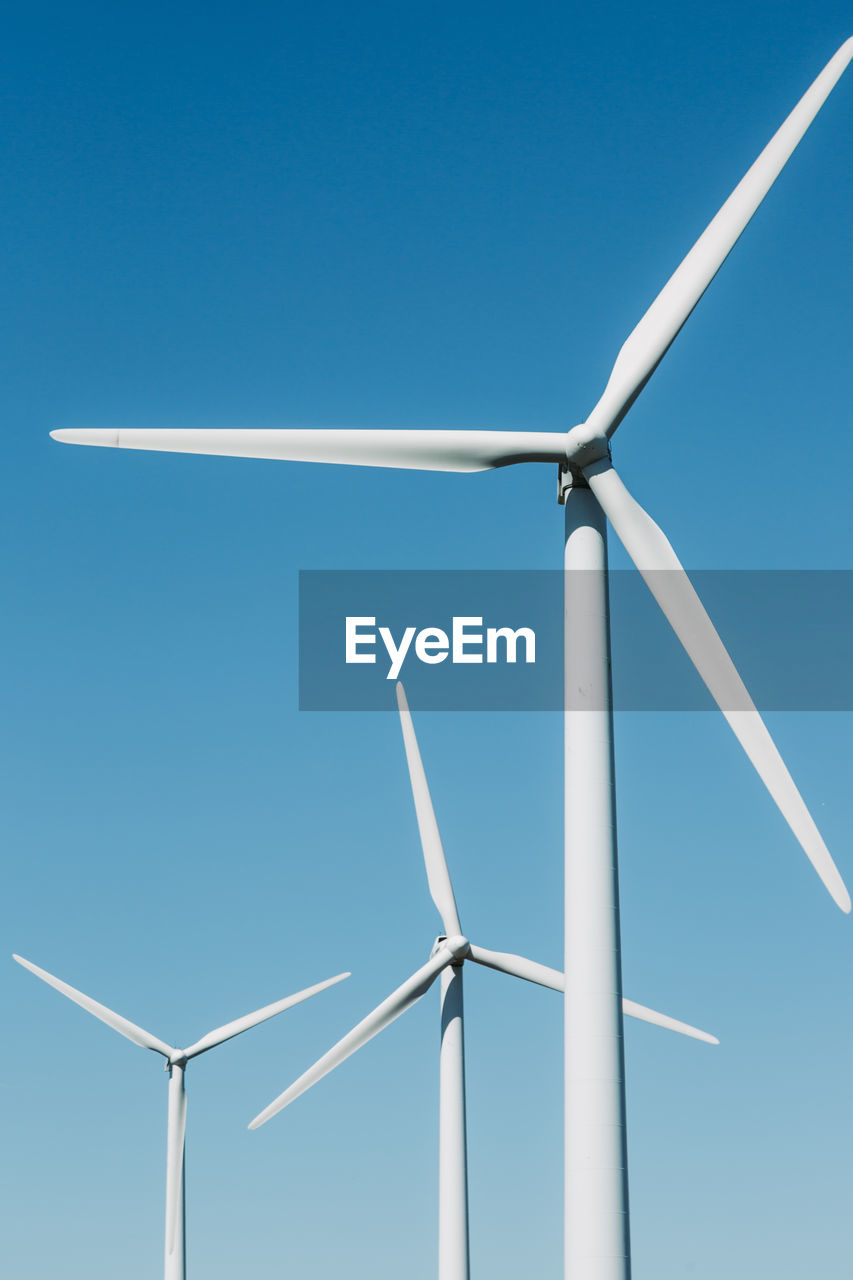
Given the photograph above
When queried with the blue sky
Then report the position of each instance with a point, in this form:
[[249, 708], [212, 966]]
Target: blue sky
[[401, 216]]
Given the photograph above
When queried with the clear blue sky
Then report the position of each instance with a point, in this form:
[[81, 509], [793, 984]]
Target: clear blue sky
[[400, 216]]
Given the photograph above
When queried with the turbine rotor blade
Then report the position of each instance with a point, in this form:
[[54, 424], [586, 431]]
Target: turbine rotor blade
[[175, 1141], [521, 967], [410, 450], [239, 1025], [384, 1014], [663, 1020], [518, 967], [438, 876], [665, 577], [125, 1028], [650, 340]]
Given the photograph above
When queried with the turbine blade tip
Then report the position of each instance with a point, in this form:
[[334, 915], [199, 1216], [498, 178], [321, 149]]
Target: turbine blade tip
[[839, 894], [86, 435]]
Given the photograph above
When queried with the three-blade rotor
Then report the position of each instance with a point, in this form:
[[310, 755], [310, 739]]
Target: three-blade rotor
[[586, 450], [453, 949], [147, 1041], [176, 1060]]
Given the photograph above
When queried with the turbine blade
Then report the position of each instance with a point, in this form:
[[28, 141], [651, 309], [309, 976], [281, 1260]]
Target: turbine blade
[[239, 1025], [520, 967], [175, 1141], [385, 1013], [114, 1020], [411, 450], [663, 1020], [438, 876], [664, 575], [650, 340]]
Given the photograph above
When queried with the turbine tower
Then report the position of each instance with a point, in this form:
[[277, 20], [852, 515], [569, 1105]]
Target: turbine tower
[[176, 1064], [449, 953], [596, 1187]]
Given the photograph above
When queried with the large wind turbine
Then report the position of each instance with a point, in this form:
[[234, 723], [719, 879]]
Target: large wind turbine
[[596, 1222], [176, 1064], [449, 953]]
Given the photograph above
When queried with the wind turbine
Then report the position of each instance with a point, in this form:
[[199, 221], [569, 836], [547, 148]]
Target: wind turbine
[[596, 1189], [176, 1064], [447, 958]]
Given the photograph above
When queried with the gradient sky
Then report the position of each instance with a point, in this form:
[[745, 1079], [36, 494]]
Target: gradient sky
[[401, 216]]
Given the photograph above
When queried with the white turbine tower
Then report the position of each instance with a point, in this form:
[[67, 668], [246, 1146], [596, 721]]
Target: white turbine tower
[[176, 1063], [596, 1189], [449, 953]]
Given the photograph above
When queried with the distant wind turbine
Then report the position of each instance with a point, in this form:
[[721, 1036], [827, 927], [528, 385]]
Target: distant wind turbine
[[597, 1242], [449, 953], [176, 1063]]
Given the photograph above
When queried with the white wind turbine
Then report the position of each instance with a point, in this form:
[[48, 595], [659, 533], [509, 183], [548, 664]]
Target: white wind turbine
[[449, 953], [176, 1063], [596, 1190]]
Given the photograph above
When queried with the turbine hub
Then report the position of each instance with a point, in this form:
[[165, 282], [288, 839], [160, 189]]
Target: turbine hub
[[458, 946], [586, 444]]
